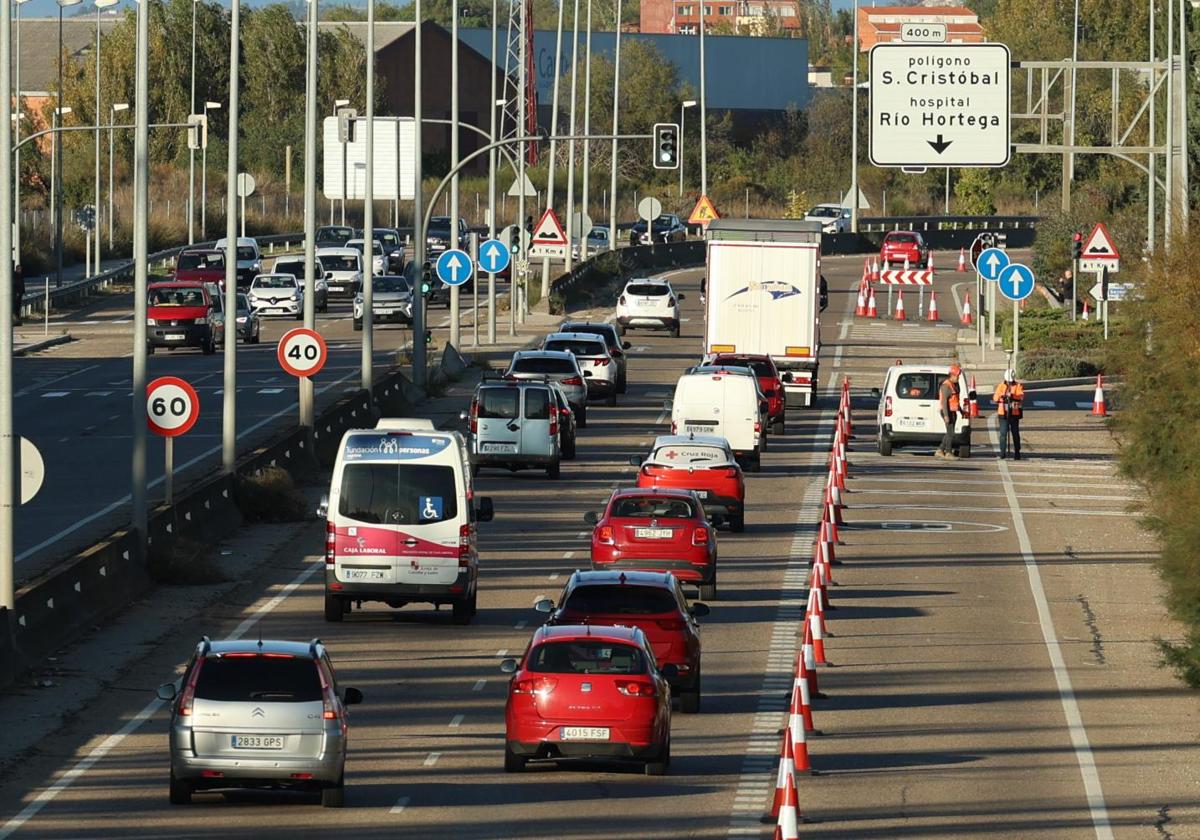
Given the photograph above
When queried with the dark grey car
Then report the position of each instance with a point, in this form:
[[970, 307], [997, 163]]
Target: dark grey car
[[249, 325]]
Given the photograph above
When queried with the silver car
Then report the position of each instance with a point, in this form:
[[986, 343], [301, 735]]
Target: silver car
[[616, 347], [249, 325], [391, 301], [599, 368], [555, 366], [258, 714]]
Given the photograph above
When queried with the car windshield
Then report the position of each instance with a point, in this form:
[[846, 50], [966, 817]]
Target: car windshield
[[646, 289], [253, 678], [761, 367], [664, 221], [603, 330], [388, 238], [652, 507], [275, 281], [389, 284], [180, 296], [340, 262], [197, 260], [824, 213], [439, 224], [376, 248], [904, 238], [576, 346], [917, 386], [586, 656], [689, 454], [245, 252], [621, 599], [543, 364], [398, 493], [598, 235], [243, 304], [336, 235], [499, 403]]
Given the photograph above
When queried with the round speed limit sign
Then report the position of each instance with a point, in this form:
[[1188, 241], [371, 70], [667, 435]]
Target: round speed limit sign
[[302, 352], [172, 406]]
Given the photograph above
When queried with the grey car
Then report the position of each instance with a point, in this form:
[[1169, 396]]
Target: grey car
[[258, 714], [391, 301], [556, 366], [249, 325]]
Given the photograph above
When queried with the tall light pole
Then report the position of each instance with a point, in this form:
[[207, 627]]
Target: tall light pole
[[141, 216], [587, 130], [191, 207], [1074, 61], [307, 396], [455, 314], [491, 327], [703, 114], [612, 187], [683, 106], [368, 274], [553, 143], [208, 106], [854, 127], [338, 105], [229, 397], [16, 121], [571, 143], [418, 353], [100, 4], [112, 122], [56, 141], [58, 152], [8, 491]]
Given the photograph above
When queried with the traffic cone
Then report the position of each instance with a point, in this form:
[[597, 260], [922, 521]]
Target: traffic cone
[[800, 683], [875, 269], [789, 813], [929, 262], [866, 275], [973, 409], [810, 663], [798, 730], [887, 266], [899, 316], [962, 259], [784, 775], [1099, 407], [872, 312], [1085, 315], [967, 320], [860, 306], [933, 310], [815, 621], [906, 263]]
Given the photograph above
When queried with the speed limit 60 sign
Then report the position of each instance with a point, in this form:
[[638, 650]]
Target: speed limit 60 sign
[[172, 406], [302, 352]]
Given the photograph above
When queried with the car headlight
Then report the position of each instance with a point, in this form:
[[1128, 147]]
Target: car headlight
[[242, 319], [201, 320], [150, 322]]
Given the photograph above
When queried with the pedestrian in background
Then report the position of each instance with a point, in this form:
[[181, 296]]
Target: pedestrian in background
[[1009, 399], [18, 286], [948, 406]]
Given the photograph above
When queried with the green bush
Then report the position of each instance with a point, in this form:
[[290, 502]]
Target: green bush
[[271, 496], [1049, 364], [1053, 346]]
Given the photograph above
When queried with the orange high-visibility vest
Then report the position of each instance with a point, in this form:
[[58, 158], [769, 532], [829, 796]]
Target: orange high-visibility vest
[[1015, 395], [953, 400]]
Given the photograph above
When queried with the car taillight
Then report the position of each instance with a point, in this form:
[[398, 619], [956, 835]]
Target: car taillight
[[616, 354], [674, 427], [670, 301], [700, 536], [670, 623], [574, 380], [621, 300], [636, 688], [602, 362], [534, 685], [189, 690], [465, 538], [474, 416], [887, 407], [732, 472], [604, 534], [757, 427], [330, 542], [553, 424], [328, 698]]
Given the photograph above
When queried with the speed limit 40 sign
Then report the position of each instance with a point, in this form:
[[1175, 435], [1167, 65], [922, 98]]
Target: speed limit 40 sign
[[172, 406], [302, 352]]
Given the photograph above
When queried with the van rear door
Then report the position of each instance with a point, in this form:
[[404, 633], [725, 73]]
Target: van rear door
[[499, 420], [535, 423], [916, 407], [698, 407]]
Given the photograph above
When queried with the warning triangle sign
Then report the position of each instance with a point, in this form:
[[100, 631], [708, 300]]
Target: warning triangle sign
[[703, 212], [549, 231], [1099, 245]]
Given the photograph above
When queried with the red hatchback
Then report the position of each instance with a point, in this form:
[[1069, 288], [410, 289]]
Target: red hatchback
[[656, 530], [769, 382], [901, 244], [653, 602], [589, 693], [704, 464]]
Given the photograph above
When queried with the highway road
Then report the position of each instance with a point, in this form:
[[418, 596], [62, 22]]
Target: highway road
[[992, 653]]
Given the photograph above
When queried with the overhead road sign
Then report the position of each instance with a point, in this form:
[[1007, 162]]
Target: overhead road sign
[[494, 256], [1016, 281], [940, 105], [991, 263], [704, 212], [454, 267], [923, 277], [1100, 252], [549, 239]]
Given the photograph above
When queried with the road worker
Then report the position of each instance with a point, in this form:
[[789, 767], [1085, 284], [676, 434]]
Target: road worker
[[1009, 399], [948, 406]]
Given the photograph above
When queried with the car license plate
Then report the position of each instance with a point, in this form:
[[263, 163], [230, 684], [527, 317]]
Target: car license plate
[[584, 733], [703, 494], [257, 742], [499, 447], [336, 289], [647, 302], [910, 423], [700, 429], [653, 533], [363, 574], [175, 337]]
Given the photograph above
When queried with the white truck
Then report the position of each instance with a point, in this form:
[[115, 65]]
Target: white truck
[[763, 297]]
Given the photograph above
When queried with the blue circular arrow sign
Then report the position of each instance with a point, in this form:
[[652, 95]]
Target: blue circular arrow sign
[[1016, 281], [494, 256], [454, 267], [991, 262]]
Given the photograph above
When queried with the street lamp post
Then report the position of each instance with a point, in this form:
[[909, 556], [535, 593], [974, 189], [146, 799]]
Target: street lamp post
[[56, 186], [100, 4], [703, 113], [854, 129], [208, 106], [17, 117], [307, 394], [8, 491], [612, 188], [339, 104], [683, 106], [112, 121], [368, 273], [58, 152], [229, 403], [191, 205], [141, 193]]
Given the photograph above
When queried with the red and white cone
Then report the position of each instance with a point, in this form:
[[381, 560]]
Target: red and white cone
[[866, 275], [967, 320], [1099, 406], [787, 828], [800, 684], [872, 312], [962, 259], [816, 622], [906, 268], [785, 774], [1086, 314], [810, 662], [860, 306], [887, 264], [933, 310], [875, 269], [798, 730], [900, 306], [929, 262], [973, 405]]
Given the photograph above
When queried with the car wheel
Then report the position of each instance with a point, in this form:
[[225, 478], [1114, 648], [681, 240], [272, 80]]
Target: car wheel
[[181, 792], [964, 450], [581, 417], [300, 315], [475, 602], [150, 349], [620, 329], [675, 331], [623, 384], [208, 347], [334, 608], [781, 424], [611, 400], [659, 766], [513, 763], [334, 796], [461, 612], [474, 470], [737, 522], [552, 471], [254, 339], [885, 446], [756, 463], [569, 450], [708, 591], [358, 326], [689, 701]]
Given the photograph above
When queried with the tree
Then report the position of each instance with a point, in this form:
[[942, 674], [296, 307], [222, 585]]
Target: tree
[[974, 192]]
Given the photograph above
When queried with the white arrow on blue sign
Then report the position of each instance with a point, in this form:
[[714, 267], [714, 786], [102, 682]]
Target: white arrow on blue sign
[[494, 256], [1016, 281], [991, 262], [454, 267]]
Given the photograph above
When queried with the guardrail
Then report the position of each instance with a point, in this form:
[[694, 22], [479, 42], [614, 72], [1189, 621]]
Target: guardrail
[[877, 224]]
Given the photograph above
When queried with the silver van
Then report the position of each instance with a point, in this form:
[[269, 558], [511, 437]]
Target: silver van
[[514, 426]]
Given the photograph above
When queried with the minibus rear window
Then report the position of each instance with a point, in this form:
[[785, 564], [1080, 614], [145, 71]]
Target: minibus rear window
[[398, 494]]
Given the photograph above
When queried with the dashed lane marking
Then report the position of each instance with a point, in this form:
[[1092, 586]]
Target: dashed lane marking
[[400, 805], [479, 684], [456, 721], [52, 395], [432, 759]]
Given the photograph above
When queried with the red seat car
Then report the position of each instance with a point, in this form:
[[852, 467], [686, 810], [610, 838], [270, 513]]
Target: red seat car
[[769, 382], [651, 601], [703, 463], [898, 244], [591, 693], [656, 530]]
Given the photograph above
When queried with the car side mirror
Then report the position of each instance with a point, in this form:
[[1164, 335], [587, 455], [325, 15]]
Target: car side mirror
[[635, 461], [508, 666], [699, 610], [875, 393], [328, 275], [670, 670], [464, 415], [323, 507], [544, 605], [668, 405], [485, 511], [587, 374], [166, 691], [625, 345], [352, 696], [787, 377], [591, 517], [681, 296]]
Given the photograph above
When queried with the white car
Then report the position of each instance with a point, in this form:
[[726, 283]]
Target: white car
[[598, 366], [343, 270], [277, 294], [378, 258], [651, 304], [249, 257], [909, 413], [833, 218], [294, 265]]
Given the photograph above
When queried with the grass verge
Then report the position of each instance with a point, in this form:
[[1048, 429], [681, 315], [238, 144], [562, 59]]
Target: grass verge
[[271, 496]]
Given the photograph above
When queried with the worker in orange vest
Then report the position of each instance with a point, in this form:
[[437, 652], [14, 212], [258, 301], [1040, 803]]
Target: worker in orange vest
[[1010, 405], [948, 406]]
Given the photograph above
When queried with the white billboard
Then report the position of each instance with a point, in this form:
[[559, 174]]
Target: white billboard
[[345, 168]]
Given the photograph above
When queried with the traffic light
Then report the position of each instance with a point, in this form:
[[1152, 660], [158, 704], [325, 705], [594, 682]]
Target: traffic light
[[666, 145], [426, 279], [514, 240], [1077, 246], [429, 336]]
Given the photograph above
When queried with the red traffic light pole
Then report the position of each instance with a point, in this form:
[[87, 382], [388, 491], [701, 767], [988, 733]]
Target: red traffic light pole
[[1076, 255]]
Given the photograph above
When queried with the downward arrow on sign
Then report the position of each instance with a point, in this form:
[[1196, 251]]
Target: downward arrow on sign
[[940, 145]]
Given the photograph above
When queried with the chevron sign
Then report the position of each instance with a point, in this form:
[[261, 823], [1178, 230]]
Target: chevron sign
[[906, 278]]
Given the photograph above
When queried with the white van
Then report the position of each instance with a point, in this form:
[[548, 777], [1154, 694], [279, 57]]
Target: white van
[[723, 404], [400, 520], [909, 412]]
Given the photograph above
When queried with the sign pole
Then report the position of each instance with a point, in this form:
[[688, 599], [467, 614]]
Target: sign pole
[[474, 240], [920, 302], [1016, 332], [992, 315], [1074, 282], [169, 470]]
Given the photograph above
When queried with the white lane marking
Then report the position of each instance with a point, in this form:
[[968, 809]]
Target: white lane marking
[[553, 576], [1043, 404], [98, 394], [662, 418], [456, 721], [1055, 510], [978, 495], [503, 652], [400, 805], [178, 469], [110, 743], [1077, 405], [568, 555], [270, 390], [38, 385], [432, 759], [581, 535], [479, 684], [521, 625], [53, 395], [845, 331], [1066, 693]]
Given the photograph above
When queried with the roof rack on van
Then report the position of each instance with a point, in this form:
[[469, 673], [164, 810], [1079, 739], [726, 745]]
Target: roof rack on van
[[497, 376]]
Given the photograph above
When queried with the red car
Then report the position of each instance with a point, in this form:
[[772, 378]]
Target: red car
[[899, 244], [769, 382], [657, 530], [653, 602], [703, 463], [588, 692], [200, 265], [184, 314]]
